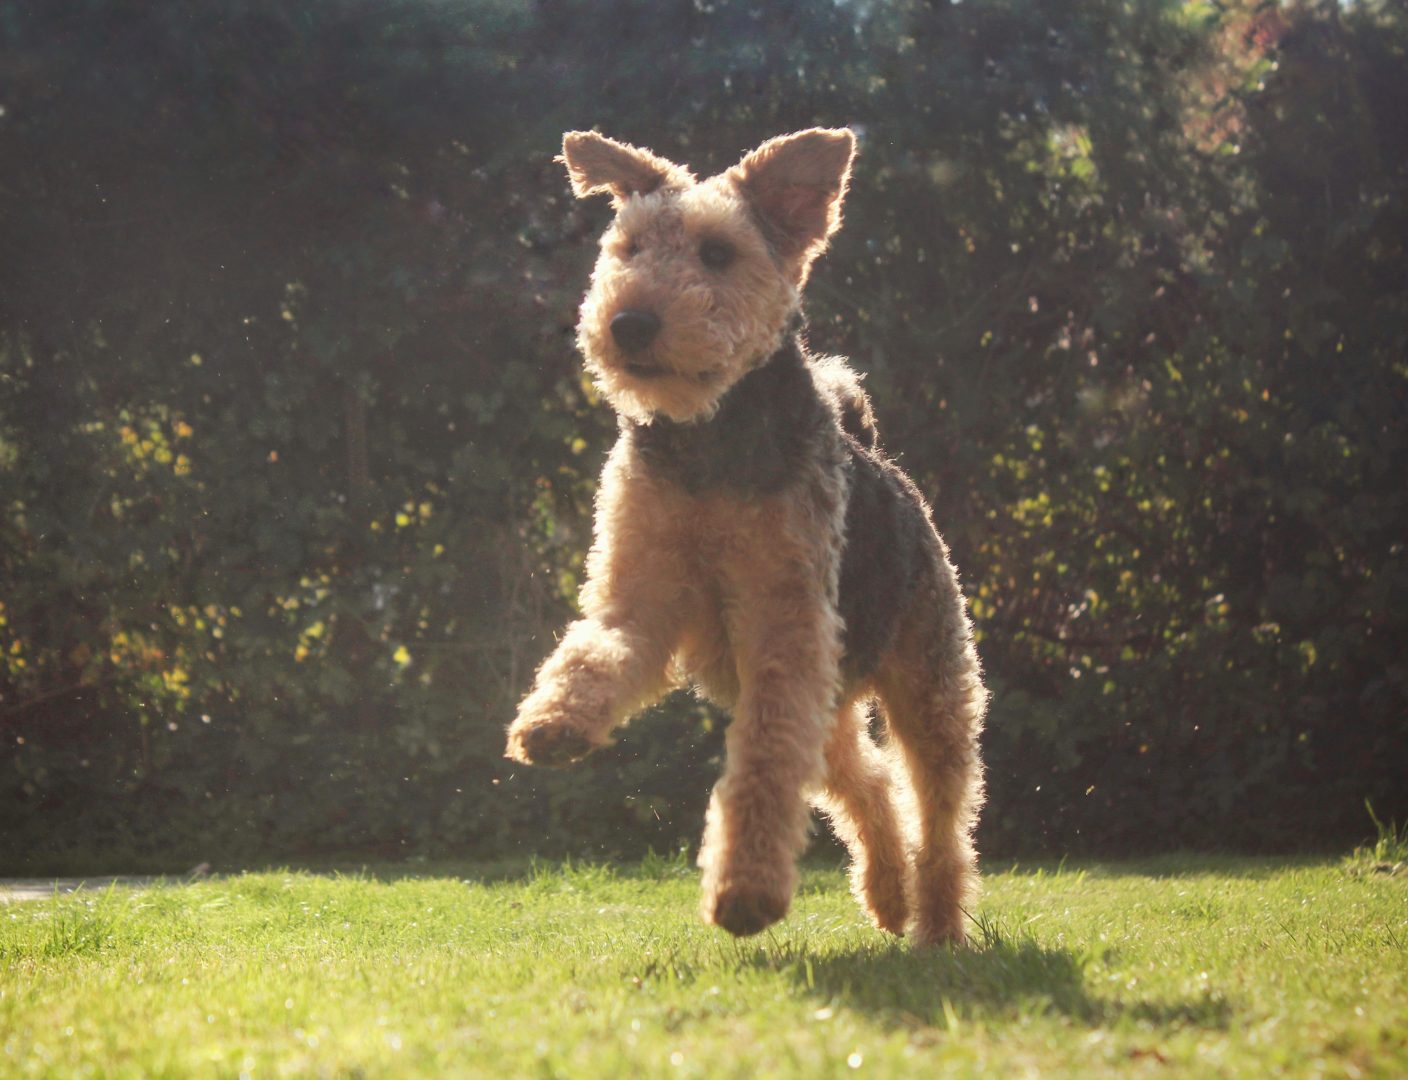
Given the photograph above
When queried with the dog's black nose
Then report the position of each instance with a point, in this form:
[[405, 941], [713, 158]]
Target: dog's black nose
[[634, 330]]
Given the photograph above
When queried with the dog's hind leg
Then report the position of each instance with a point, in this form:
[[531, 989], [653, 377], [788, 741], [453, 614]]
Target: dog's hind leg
[[858, 799], [932, 689]]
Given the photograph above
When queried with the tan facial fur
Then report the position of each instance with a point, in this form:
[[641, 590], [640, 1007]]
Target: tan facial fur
[[771, 214]]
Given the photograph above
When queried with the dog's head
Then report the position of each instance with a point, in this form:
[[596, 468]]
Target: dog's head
[[697, 281]]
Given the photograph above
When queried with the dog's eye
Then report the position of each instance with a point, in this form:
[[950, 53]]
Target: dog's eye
[[632, 249], [715, 254]]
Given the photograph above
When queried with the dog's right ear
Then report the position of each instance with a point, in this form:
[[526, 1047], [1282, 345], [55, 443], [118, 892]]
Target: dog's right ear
[[596, 164]]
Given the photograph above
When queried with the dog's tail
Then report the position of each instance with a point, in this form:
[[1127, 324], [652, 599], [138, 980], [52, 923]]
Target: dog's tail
[[841, 384]]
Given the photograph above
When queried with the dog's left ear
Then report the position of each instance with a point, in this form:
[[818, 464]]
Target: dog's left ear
[[796, 184], [596, 164]]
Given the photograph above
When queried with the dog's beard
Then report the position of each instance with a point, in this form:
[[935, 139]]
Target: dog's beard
[[680, 375], [641, 388]]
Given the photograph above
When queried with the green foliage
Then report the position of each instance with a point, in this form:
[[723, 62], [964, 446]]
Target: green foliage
[[296, 458], [606, 971]]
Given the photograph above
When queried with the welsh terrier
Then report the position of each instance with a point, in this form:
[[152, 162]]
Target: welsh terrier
[[752, 538]]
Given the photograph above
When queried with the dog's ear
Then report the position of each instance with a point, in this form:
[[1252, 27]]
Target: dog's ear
[[795, 184], [596, 165]]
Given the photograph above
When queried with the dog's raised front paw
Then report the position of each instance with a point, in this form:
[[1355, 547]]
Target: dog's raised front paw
[[554, 745]]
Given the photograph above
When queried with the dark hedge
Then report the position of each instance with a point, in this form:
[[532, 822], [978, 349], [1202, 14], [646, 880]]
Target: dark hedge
[[296, 458]]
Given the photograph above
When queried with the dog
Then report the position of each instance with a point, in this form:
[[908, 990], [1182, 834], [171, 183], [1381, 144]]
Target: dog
[[752, 537]]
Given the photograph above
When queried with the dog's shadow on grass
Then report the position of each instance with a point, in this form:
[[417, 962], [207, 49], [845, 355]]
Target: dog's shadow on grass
[[944, 987]]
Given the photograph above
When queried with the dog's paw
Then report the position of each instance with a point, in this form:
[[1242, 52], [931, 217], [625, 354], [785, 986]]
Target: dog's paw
[[554, 745], [743, 911]]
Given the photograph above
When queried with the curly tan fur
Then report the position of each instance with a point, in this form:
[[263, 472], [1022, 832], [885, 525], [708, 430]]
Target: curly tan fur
[[751, 535]]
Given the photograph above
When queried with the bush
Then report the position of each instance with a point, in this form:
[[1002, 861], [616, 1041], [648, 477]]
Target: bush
[[297, 457]]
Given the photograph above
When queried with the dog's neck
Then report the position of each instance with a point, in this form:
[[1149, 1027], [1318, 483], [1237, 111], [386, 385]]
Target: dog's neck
[[756, 442]]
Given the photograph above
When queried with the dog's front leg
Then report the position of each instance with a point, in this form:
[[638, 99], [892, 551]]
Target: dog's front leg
[[598, 674], [616, 658], [786, 636]]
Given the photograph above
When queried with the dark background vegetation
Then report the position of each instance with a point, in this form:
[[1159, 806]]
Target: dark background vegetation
[[296, 458]]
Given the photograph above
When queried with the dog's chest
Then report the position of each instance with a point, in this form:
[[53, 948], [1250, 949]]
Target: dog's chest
[[857, 545], [768, 506], [704, 461], [768, 430]]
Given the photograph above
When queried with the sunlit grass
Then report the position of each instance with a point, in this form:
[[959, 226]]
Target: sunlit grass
[[1179, 967], [1386, 854]]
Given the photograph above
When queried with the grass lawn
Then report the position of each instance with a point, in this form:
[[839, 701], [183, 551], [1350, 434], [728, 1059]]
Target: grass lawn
[[1175, 967]]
